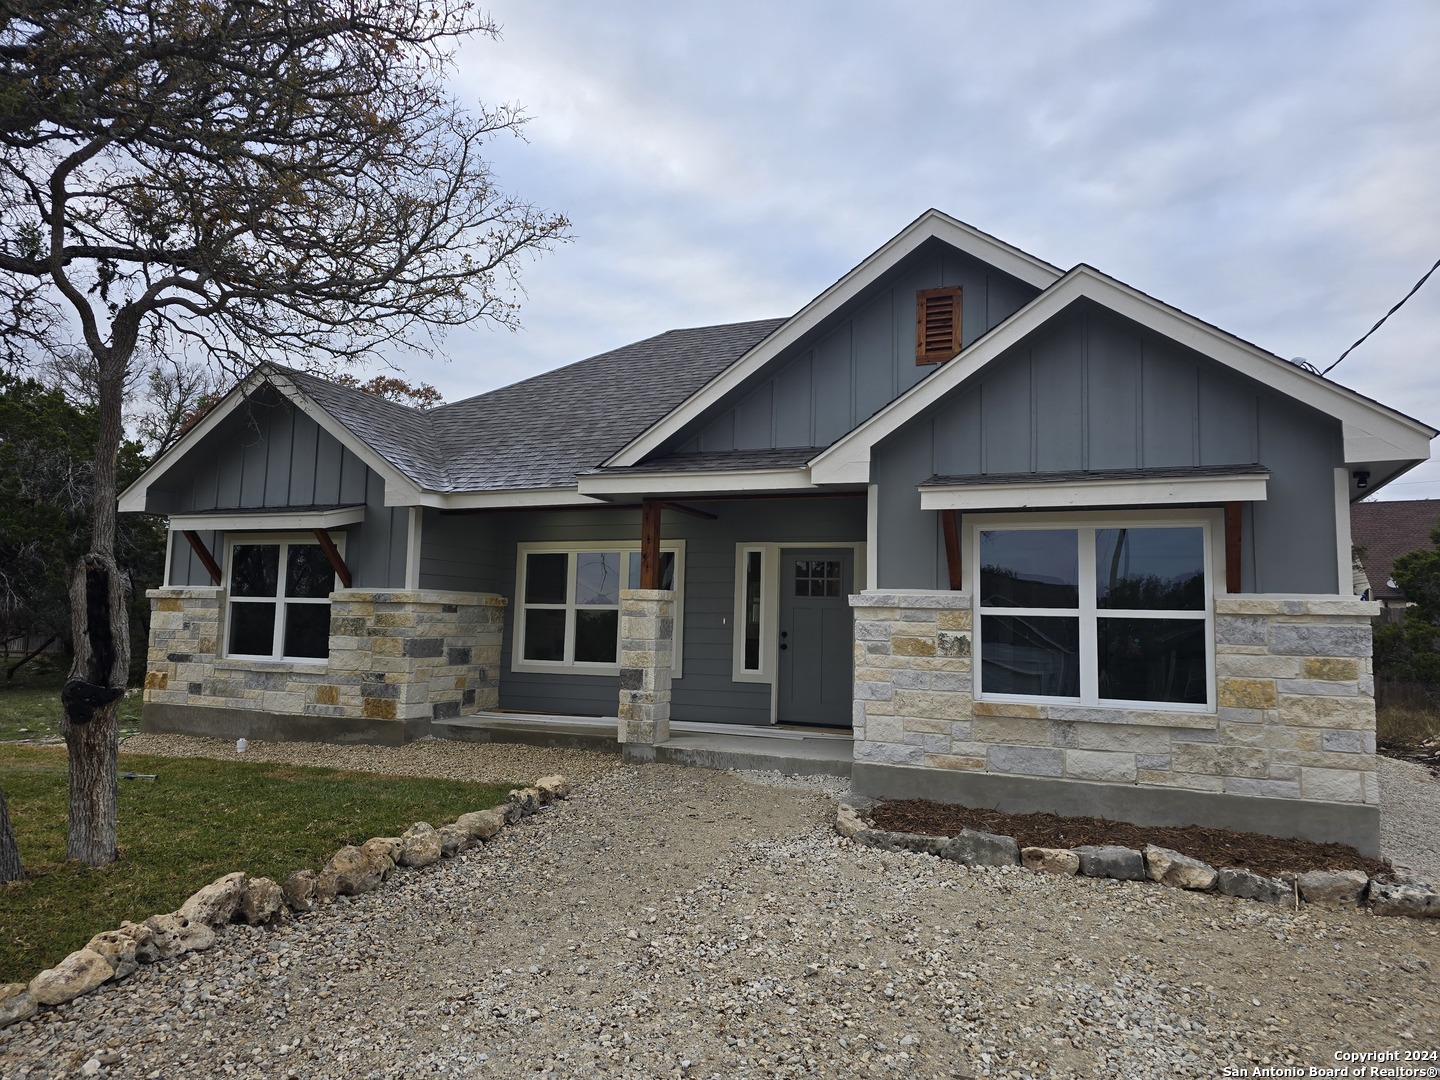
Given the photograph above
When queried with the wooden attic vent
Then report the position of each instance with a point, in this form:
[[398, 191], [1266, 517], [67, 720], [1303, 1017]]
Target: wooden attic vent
[[937, 324]]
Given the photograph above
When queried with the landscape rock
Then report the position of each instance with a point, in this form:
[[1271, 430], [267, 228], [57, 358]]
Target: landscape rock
[[144, 939], [16, 1004], [847, 821], [1414, 899], [1334, 889], [453, 840], [118, 949], [215, 904], [886, 840], [1248, 885], [299, 890], [383, 852], [1044, 860], [175, 934], [355, 872], [1111, 861], [482, 824], [419, 845], [327, 886], [1177, 870], [975, 848], [526, 799], [262, 903], [553, 787], [79, 973]]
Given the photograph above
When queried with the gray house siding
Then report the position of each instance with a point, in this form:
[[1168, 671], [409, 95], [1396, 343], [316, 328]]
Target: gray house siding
[[270, 454], [478, 551], [857, 362], [1093, 391]]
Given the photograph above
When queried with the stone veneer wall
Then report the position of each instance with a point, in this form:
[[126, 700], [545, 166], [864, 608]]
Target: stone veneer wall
[[647, 648], [405, 656], [1295, 715]]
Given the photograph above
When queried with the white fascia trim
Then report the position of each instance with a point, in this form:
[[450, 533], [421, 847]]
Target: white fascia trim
[[1153, 491], [931, 224], [261, 522], [1373, 430], [498, 500], [1344, 555], [697, 483]]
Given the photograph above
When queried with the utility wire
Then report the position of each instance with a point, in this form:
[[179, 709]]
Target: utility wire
[[1387, 315]]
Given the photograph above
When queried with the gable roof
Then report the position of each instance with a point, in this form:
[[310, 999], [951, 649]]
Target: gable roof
[[931, 225], [1372, 432], [1387, 530]]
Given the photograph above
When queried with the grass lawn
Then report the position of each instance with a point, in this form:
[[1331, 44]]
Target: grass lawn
[[199, 820], [30, 702]]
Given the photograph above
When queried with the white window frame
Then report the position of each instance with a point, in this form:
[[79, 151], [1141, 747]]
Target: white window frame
[[280, 600], [1210, 522], [770, 555], [519, 663]]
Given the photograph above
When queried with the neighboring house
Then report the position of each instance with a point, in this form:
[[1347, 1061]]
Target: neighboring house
[[1383, 531], [1036, 539]]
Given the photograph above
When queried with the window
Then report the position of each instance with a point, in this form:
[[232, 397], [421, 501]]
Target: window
[[278, 602], [937, 324], [1105, 613], [568, 614]]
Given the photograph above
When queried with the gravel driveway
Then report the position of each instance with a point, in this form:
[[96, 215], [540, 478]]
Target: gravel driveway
[[679, 922]]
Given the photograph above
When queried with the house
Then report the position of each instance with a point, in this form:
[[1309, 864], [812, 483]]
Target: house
[[1382, 532], [1033, 538]]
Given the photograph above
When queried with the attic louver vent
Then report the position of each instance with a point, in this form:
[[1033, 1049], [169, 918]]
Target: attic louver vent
[[937, 324]]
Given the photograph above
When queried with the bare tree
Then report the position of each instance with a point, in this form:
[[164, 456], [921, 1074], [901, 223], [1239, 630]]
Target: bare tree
[[234, 180]]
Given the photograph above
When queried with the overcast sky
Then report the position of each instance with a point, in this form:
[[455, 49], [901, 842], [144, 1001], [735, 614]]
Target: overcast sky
[[1271, 168]]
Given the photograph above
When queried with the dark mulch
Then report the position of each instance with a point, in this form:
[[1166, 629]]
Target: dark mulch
[[1218, 847]]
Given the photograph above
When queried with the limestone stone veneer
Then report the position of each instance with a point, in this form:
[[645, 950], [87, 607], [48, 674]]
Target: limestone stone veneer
[[647, 647], [407, 657], [1294, 717]]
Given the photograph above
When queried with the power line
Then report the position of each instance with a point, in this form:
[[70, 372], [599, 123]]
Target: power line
[[1387, 315]]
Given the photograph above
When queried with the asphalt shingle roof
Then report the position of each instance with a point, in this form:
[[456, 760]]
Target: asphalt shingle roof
[[544, 431], [720, 460], [1387, 530]]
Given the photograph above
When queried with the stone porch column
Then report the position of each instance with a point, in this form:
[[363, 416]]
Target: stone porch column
[[647, 635]]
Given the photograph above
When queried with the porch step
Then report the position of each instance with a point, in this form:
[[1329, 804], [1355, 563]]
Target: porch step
[[571, 734], [823, 756]]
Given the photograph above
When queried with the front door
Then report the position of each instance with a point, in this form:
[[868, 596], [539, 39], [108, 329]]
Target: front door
[[816, 642]]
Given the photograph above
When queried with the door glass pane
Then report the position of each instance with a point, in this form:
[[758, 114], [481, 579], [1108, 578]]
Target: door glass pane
[[667, 570], [307, 630], [752, 610], [1035, 655], [308, 573], [254, 569], [830, 577], [1150, 569], [544, 634], [802, 577], [252, 629], [545, 577], [597, 577], [1029, 568], [1152, 660], [596, 635]]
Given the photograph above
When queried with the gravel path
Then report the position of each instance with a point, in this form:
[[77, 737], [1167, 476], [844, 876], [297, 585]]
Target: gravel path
[[1410, 817], [679, 922]]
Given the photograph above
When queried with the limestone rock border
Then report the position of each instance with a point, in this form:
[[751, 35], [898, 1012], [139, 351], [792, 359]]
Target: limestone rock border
[[113, 955], [1335, 890]]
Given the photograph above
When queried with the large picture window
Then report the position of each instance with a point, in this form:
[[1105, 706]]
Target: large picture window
[[568, 609], [1094, 614], [278, 600]]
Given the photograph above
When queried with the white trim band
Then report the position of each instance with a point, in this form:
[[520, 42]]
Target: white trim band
[[1151, 491]]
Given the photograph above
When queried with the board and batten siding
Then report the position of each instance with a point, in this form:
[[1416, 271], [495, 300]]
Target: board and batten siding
[[1093, 391], [269, 454], [856, 361], [706, 692]]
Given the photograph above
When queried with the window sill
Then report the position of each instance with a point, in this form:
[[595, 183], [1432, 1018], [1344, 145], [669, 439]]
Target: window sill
[[245, 663], [1198, 718]]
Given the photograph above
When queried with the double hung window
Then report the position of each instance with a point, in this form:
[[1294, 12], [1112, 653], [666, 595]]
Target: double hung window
[[568, 614], [1095, 614], [278, 601]]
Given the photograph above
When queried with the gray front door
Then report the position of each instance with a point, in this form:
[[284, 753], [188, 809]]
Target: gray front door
[[816, 642]]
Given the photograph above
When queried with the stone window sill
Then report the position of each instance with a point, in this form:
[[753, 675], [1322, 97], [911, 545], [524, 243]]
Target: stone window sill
[[228, 664]]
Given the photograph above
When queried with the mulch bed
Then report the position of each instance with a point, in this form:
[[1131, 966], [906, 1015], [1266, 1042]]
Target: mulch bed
[[1218, 847]]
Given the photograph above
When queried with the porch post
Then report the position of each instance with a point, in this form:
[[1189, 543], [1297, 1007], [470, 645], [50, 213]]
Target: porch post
[[649, 544], [647, 632]]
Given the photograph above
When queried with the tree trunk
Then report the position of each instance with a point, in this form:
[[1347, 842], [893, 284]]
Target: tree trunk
[[99, 612], [10, 867]]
